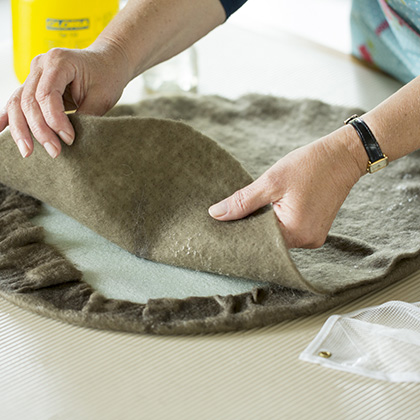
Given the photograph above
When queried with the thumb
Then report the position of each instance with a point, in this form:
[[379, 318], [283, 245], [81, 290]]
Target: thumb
[[4, 119], [244, 201]]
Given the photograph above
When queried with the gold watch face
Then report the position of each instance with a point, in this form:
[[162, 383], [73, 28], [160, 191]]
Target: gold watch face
[[378, 165]]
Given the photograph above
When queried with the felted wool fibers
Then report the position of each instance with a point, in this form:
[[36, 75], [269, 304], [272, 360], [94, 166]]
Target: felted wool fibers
[[144, 180]]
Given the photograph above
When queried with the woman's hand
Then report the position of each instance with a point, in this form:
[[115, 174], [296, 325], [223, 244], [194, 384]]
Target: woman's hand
[[306, 188], [143, 34], [90, 80]]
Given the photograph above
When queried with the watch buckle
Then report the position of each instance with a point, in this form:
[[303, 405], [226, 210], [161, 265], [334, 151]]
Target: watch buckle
[[377, 165], [352, 117]]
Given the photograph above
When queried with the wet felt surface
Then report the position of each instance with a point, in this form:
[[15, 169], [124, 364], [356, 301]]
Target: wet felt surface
[[124, 195]]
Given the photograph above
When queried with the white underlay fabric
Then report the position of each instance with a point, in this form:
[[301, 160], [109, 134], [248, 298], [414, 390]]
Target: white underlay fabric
[[138, 279], [381, 342]]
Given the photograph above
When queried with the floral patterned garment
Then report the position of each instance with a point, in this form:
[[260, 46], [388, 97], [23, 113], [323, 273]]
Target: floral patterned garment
[[386, 33]]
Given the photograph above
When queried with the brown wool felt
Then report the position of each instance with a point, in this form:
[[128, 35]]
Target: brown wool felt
[[146, 183]]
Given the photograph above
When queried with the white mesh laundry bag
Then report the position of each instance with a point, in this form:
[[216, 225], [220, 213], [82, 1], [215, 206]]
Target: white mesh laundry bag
[[381, 342]]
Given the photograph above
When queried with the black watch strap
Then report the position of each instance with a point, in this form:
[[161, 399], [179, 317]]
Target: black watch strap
[[377, 160]]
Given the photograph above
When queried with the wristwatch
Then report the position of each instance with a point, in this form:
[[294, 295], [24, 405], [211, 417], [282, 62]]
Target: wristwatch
[[377, 159]]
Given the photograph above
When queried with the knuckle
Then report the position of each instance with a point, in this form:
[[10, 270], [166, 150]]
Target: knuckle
[[299, 234], [269, 180], [27, 102], [55, 54], [107, 103], [36, 61], [269, 186], [49, 116], [306, 238], [240, 200], [41, 95], [14, 101], [316, 243], [37, 132], [298, 240], [51, 119]]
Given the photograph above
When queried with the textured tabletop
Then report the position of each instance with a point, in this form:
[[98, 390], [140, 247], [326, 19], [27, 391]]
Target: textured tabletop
[[52, 370]]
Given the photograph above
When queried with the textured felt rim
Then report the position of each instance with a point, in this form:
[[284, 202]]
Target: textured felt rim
[[45, 282]]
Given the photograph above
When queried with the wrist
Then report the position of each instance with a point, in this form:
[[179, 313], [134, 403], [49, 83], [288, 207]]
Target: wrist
[[356, 152], [114, 55], [346, 153]]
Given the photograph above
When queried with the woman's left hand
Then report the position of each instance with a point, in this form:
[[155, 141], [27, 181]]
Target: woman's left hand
[[306, 188]]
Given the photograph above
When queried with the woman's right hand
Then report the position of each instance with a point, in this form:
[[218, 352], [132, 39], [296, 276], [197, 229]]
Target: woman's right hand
[[89, 80]]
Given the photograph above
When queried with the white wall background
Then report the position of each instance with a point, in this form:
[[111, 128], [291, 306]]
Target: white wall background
[[5, 22], [323, 21]]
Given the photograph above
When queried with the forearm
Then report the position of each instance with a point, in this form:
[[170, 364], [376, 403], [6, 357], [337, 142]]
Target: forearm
[[396, 121], [148, 32]]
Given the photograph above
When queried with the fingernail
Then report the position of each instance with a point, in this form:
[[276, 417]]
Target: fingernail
[[52, 151], [66, 137], [219, 209], [23, 149]]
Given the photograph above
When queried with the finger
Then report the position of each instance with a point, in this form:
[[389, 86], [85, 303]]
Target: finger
[[49, 95], [4, 119], [244, 201], [18, 125], [34, 118]]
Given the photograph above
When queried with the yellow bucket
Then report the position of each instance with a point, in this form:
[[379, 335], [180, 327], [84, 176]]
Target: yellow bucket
[[39, 25]]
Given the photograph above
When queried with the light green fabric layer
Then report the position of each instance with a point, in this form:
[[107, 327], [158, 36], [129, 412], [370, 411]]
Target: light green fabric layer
[[178, 173], [118, 274]]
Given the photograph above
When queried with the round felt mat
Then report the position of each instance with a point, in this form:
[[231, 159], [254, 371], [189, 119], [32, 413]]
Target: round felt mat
[[166, 300]]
